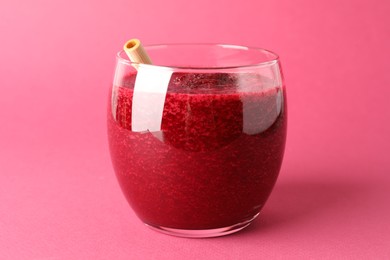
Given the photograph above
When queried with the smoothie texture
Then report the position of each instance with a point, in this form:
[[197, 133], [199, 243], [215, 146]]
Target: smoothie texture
[[216, 158]]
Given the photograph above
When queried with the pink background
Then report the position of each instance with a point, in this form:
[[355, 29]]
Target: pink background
[[59, 198]]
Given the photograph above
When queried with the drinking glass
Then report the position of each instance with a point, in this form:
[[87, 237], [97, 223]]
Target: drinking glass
[[197, 139]]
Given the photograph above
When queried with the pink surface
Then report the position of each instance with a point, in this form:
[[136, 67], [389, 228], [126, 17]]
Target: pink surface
[[59, 198]]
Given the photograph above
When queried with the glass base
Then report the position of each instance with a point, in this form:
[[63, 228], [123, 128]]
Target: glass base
[[203, 233]]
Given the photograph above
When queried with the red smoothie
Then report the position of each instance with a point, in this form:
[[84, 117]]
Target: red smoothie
[[216, 158]]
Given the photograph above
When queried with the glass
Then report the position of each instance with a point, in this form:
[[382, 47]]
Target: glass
[[197, 139]]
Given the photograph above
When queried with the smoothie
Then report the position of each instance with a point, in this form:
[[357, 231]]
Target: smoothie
[[216, 158]]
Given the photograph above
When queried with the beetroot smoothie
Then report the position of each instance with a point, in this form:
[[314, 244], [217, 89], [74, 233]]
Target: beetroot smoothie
[[216, 158]]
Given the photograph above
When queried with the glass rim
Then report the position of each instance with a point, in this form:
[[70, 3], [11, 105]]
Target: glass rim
[[269, 62]]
